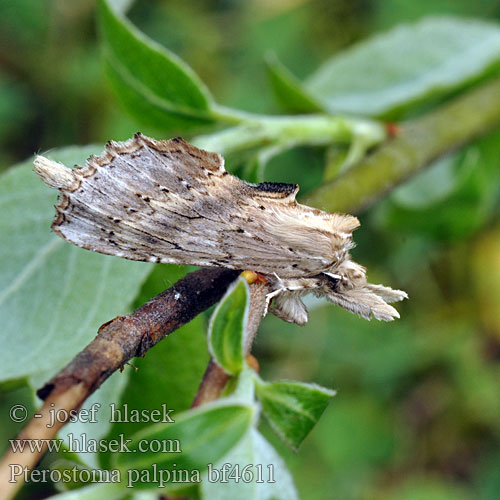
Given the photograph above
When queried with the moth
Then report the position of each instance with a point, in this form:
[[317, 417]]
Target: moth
[[170, 202]]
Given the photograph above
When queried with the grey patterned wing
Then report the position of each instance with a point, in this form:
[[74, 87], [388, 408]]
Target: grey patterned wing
[[169, 202]]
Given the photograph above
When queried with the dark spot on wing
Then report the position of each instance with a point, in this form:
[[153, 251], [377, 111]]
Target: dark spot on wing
[[276, 187]]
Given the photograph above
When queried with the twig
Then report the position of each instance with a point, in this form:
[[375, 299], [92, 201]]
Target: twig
[[117, 342], [215, 378]]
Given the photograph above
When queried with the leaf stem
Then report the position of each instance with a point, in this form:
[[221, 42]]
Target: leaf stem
[[261, 130]]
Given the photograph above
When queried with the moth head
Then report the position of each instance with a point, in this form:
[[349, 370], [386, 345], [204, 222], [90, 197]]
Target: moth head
[[352, 292]]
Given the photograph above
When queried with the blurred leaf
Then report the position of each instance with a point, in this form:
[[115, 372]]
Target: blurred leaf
[[409, 64], [288, 90], [203, 435], [293, 408], [227, 328], [451, 199], [263, 465], [153, 83], [53, 295]]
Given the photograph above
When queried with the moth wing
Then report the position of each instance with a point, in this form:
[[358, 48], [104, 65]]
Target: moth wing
[[170, 202]]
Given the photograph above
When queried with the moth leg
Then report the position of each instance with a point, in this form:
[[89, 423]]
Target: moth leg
[[270, 297], [287, 304], [278, 287], [288, 307]]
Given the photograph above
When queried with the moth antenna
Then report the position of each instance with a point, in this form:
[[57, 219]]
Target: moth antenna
[[55, 174]]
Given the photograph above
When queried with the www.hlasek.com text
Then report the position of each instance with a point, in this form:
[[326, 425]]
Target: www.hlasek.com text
[[81, 443]]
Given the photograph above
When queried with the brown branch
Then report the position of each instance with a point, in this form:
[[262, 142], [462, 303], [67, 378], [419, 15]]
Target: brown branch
[[117, 342]]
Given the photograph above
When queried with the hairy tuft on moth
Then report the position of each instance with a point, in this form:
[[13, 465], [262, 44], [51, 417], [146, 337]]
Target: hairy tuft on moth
[[54, 174], [170, 202]]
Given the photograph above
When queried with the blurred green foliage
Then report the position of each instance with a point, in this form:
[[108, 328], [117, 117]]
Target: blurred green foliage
[[417, 414]]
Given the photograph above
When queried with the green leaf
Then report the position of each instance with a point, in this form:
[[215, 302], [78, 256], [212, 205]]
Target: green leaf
[[262, 473], [198, 437], [227, 328], [155, 85], [407, 65], [53, 295], [288, 89], [292, 408]]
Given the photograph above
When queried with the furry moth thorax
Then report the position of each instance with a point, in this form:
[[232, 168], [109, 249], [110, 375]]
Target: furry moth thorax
[[170, 202]]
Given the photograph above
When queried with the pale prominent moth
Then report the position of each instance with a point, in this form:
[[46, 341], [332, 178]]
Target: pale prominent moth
[[170, 202]]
